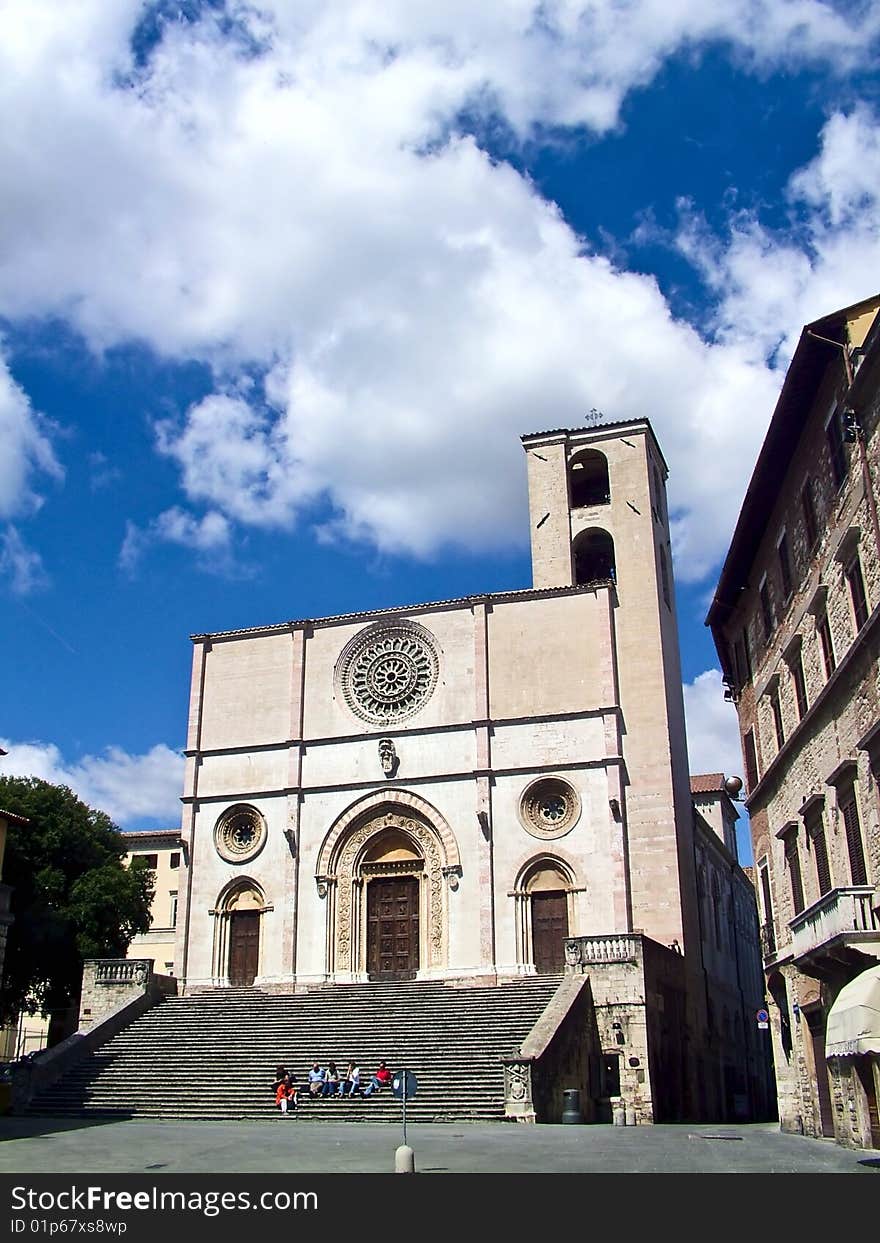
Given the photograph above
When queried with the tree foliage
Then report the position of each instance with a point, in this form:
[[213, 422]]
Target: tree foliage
[[72, 896]]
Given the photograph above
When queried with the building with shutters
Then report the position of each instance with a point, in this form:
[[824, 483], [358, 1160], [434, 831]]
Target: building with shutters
[[472, 789], [161, 850], [796, 621]]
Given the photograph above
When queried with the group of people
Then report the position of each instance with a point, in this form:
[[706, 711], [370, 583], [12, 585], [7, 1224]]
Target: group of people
[[324, 1081]]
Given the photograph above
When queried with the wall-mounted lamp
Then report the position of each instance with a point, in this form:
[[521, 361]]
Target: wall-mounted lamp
[[615, 808], [618, 1033]]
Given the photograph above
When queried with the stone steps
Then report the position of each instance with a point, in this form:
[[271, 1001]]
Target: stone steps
[[213, 1055]]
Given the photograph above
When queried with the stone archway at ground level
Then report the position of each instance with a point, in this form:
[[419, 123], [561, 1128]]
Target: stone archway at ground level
[[385, 869]]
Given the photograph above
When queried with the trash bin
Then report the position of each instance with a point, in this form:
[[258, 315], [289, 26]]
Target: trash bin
[[571, 1105]]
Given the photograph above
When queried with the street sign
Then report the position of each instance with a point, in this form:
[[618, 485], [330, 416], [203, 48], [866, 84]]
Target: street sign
[[404, 1084], [763, 1018]]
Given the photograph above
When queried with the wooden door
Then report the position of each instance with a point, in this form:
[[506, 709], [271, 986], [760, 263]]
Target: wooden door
[[865, 1070], [549, 930], [393, 928], [816, 1027], [244, 947]]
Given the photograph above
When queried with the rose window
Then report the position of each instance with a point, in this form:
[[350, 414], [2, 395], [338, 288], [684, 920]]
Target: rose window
[[549, 807], [240, 834], [387, 673], [552, 809]]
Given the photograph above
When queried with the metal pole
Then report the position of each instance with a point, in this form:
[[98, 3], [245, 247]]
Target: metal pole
[[404, 1106]]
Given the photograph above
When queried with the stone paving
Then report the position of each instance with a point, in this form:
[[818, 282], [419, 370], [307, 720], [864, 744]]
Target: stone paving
[[282, 1145]]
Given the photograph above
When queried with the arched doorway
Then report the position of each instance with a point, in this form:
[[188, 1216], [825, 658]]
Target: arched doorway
[[237, 944], [392, 868], [386, 869], [544, 895]]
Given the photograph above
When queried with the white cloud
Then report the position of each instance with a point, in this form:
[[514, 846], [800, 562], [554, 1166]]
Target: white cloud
[[26, 448], [771, 283], [208, 534], [127, 787], [309, 209], [712, 729], [23, 566]]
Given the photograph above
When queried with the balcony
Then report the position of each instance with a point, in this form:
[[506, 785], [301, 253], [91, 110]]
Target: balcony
[[768, 942], [840, 932]]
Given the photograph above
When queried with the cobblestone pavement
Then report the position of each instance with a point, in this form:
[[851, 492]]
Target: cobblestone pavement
[[288, 1146]]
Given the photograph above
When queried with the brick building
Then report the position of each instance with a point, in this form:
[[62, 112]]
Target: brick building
[[796, 621]]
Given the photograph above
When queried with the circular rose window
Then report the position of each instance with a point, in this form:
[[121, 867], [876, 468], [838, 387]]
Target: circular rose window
[[549, 807], [388, 672], [240, 834]]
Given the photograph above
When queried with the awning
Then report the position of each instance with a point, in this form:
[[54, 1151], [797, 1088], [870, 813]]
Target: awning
[[853, 1025]]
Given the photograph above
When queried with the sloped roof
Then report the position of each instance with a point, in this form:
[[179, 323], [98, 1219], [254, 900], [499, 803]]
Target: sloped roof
[[707, 783]]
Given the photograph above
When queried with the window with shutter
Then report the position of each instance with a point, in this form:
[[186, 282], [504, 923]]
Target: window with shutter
[[816, 830], [824, 631], [751, 759], [793, 860], [849, 810], [800, 685]]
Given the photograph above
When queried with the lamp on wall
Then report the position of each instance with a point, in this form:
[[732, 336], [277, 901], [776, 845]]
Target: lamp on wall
[[618, 1033], [615, 808]]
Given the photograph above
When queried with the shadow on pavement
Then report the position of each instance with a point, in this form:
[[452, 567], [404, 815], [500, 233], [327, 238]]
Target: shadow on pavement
[[13, 1127]]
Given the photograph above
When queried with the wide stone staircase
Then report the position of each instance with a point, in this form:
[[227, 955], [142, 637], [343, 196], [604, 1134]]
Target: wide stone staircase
[[213, 1054]]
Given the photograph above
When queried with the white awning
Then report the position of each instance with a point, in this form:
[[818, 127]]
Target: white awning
[[853, 1025]]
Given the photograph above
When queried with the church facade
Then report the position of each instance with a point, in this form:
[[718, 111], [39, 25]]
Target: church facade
[[453, 790]]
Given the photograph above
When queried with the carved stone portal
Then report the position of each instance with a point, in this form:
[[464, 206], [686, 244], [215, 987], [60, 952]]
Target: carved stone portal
[[349, 940]]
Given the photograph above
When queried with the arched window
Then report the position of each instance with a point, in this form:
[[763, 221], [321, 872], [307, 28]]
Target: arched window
[[593, 557], [588, 479]]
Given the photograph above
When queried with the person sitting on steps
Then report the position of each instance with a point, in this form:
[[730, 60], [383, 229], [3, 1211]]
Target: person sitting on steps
[[331, 1080], [352, 1083], [316, 1079], [381, 1079], [285, 1094]]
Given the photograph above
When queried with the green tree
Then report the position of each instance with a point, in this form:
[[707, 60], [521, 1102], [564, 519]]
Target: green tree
[[72, 896]]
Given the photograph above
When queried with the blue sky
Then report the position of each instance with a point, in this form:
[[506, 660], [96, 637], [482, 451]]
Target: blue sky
[[282, 285]]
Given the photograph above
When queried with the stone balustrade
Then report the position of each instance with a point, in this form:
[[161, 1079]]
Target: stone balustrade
[[584, 952], [122, 970], [843, 912]]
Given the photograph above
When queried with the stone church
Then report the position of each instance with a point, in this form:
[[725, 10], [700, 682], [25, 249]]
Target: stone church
[[469, 790]]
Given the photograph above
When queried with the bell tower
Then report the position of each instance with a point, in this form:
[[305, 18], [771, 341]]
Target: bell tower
[[599, 518]]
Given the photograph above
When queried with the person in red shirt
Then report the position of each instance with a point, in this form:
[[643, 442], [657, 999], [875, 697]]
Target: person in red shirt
[[285, 1094], [381, 1079]]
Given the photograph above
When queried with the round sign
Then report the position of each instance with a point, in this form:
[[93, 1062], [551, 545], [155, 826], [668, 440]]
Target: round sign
[[762, 1016], [405, 1084]]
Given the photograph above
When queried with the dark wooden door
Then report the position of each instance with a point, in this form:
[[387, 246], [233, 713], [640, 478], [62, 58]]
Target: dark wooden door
[[244, 947], [816, 1026], [393, 928], [549, 930], [865, 1071]]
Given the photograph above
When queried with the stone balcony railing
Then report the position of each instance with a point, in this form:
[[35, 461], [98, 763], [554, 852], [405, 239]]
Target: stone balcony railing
[[122, 970], [841, 914], [581, 952]]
